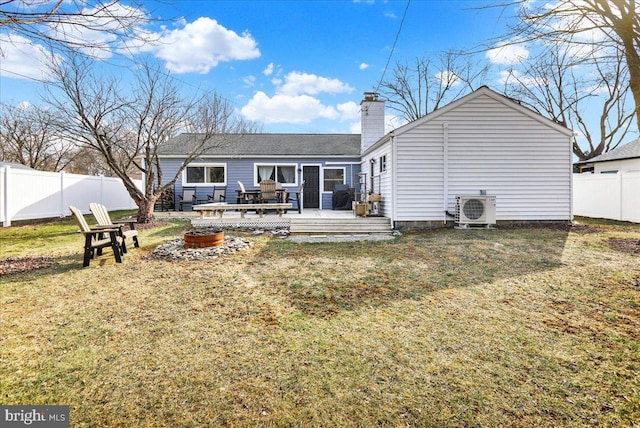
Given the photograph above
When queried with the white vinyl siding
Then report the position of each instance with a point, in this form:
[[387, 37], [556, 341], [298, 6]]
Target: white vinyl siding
[[492, 146], [420, 174], [382, 180], [627, 165]]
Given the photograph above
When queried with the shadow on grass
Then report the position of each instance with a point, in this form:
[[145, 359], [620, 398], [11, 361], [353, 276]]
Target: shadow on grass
[[325, 279]]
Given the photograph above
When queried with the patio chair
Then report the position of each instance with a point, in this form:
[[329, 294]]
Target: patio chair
[[219, 195], [101, 214], [188, 198], [244, 196], [202, 199], [95, 240], [268, 191], [296, 196]]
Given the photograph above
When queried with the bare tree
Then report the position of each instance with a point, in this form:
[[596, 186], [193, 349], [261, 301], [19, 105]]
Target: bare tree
[[88, 26], [417, 89], [611, 25], [28, 136], [86, 162], [556, 85], [127, 128]]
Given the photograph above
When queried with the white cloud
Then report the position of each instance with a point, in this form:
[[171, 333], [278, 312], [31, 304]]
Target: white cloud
[[304, 83], [507, 55], [296, 101], [269, 70], [201, 45], [585, 27], [391, 122], [23, 59], [249, 81], [283, 108], [514, 76], [349, 110], [448, 77], [364, 66], [96, 32]]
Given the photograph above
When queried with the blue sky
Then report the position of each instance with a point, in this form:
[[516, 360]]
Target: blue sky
[[294, 66]]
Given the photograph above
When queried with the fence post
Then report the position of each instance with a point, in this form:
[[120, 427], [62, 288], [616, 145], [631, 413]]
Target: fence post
[[620, 193], [6, 219], [62, 211]]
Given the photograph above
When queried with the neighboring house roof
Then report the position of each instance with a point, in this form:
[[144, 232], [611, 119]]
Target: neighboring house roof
[[630, 150], [15, 165], [268, 145], [482, 91]]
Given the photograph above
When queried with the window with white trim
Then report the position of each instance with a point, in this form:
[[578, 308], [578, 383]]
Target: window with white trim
[[282, 173], [332, 176], [205, 175]]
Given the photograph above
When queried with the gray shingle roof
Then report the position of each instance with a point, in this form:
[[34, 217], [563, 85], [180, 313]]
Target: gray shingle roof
[[15, 165], [258, 145], [630, 150]]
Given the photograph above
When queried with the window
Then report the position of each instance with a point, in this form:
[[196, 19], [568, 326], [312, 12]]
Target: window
[[204, 174], [332, 176], [285, 174], [383, 163]]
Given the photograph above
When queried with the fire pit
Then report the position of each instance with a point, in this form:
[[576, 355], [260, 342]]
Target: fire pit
[[203, 238]]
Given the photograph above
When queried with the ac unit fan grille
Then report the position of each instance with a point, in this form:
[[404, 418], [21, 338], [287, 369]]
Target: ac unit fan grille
[[473, 209]]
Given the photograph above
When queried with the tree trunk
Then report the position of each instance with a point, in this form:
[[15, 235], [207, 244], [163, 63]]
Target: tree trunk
[[633, 63], [146, 209]]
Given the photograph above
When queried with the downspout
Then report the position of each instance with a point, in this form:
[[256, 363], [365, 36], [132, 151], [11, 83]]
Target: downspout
[[6, 217], [445, 169], [394, 178], [571, 140]]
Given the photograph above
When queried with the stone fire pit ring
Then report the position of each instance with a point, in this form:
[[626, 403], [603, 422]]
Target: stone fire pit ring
[[175, 250], [203, 238]]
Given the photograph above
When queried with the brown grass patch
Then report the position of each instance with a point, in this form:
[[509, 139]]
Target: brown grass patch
[[625, 245], [12, 265], [517, 327]]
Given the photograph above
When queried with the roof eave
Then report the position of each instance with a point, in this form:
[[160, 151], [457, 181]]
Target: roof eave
[[379, 143], [494, 95]]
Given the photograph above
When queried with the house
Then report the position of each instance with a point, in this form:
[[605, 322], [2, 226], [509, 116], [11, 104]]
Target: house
[[625, 158], [483, 143], [321, 160], [15, 165]]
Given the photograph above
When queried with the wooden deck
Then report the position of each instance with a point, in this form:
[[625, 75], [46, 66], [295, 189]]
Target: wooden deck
[[309, 222]]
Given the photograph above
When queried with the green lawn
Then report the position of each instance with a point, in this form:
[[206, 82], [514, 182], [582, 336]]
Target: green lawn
[[511, 327]]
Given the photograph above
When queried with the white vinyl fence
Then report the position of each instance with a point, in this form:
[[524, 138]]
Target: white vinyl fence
[[610, 196], [28, 194]]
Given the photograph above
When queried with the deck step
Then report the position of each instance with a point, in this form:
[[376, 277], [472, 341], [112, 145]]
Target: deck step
[[350, 226]]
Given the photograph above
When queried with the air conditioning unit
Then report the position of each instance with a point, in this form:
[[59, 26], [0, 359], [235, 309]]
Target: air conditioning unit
[[475, 210]]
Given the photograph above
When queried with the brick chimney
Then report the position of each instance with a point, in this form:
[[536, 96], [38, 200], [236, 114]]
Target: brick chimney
[[372, 120]]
